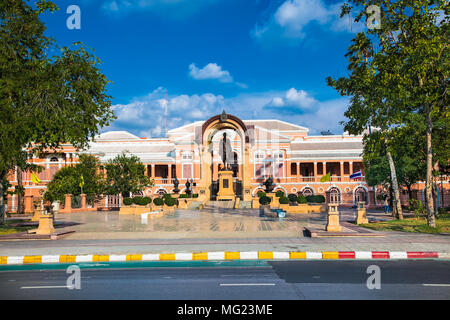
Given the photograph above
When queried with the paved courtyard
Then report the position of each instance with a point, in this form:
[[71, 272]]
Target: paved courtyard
[[186, 224]]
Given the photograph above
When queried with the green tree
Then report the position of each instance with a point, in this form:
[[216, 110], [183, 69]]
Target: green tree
[[68, 180], [45, 99], [126, 175], [399, 70]]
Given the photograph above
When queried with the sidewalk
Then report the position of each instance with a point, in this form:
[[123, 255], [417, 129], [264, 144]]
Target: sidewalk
[[101, 233]]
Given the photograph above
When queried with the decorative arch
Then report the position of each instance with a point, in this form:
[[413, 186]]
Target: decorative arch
[[305, 190], [280, 187], [255, 191]]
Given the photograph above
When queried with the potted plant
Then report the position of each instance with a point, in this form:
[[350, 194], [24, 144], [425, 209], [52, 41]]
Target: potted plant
[[264, 201]]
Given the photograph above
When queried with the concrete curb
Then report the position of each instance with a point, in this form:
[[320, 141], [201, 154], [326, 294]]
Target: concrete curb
[[224, 255]]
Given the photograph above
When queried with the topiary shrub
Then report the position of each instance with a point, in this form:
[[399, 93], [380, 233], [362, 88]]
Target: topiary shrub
[[195, 195], [292, 197], [183, 196], [127, 201], [166, 195], [158, 201], [140, 201], [261, 194], [301, 199], [320, 198], [169, 201], [279, 193], [284, 200], [310, 199], [264, 200]]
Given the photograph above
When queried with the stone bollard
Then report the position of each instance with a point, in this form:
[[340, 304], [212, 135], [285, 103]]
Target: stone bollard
[[333, 218], [36, 212], [361, 213], [45, 224]]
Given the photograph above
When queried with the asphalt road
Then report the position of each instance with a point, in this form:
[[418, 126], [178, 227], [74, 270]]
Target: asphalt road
[[285, 280]]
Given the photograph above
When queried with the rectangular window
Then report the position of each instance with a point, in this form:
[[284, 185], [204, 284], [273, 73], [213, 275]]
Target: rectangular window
[[278, 169], [259, 170], [187, 171]]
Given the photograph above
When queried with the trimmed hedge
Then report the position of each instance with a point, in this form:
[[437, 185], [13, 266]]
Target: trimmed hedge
[[292, 197], [183, 196], [195, 195], [302, 199], [264, 200], [158, 201], [261, 194], [140, 201], [127, 201], [279, 194], [284, 200], [169, 201], [315, 199]]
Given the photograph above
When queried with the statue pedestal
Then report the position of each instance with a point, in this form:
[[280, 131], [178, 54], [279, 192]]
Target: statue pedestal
[[45, 224], [226, 191], [361, 214], [333, 219]]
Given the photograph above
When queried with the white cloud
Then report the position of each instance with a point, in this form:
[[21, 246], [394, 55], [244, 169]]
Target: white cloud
[[292, 16], [144, 116], [294, 98], [210, 71]]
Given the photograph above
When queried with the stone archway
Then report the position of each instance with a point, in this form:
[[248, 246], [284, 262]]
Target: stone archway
[[204, 139]]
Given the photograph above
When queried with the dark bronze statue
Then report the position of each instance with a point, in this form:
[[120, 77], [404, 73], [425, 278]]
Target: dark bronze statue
[[226, 152], [269, 184], [175, 184]]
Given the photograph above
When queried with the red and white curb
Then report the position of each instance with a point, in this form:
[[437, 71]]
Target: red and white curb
[[225, 255]]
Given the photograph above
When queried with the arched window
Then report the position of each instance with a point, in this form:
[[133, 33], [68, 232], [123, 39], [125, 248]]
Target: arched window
[[161, 192], [360, 195], [307, 192], [335, 195]]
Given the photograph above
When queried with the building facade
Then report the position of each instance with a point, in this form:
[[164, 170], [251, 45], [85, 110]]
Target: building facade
[[260, 148]]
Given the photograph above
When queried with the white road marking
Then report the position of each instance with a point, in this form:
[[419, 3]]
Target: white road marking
[[245, 284], [45, 287], [436, 284]]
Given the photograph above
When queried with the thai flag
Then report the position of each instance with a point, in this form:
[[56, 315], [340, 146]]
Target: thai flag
[[357, 174]]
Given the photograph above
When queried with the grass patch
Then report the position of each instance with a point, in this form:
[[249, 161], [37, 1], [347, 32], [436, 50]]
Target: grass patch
[[412, 225], [11, 226]]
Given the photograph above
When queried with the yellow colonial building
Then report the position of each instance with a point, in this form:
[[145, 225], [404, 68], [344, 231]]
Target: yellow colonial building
[[259, 149]]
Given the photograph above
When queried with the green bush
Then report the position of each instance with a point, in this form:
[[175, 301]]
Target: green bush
[[279, 194], [292, 197], [127, 201], [284, 200], [147, 200], [140, 201], [264, 200], [301, 199], [261, 194], [169, 201], [195, 195], [320, 198], [158, 201], [166, 195], [183, 196], [315, 199]]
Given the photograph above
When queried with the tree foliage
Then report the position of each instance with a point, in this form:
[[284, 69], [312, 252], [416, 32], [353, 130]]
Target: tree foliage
[[68, 180], [399, 76], [45, 98], [125, 175]]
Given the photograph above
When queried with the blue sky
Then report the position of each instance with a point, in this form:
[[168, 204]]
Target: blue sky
[[257, 59]]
